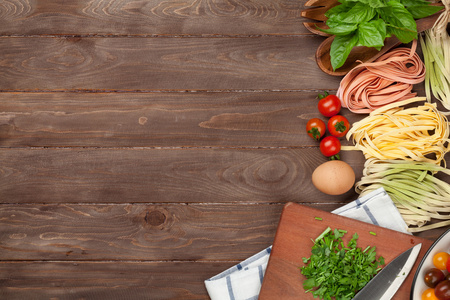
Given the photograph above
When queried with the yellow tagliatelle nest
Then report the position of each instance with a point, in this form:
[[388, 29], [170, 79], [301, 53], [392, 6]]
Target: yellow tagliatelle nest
[[395, 132]]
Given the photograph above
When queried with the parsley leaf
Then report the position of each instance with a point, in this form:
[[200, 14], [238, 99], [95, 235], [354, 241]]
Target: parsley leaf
[[338, 270]]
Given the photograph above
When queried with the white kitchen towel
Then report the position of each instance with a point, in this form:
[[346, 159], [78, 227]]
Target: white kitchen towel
[[243, 281]]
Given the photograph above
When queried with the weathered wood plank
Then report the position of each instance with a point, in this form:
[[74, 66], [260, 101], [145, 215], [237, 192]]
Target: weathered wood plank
[[136, 232], [153, 17], [268, 63], [140, 232], [164, 175], [107, 280], [227, 119]]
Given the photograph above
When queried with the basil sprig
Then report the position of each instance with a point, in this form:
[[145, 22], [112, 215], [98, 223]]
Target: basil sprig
[[369, 22]]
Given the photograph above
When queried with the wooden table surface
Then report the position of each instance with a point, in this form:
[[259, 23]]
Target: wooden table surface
[[146, 146]]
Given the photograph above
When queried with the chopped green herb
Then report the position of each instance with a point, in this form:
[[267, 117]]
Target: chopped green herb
[[372, 233], [318, 218], [338, 270]]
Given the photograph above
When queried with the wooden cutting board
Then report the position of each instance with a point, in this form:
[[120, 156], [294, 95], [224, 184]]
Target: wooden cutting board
[[293, 241]]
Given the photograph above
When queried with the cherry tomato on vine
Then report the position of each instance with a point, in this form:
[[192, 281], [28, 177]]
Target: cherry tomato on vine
[[442, 290], [440, 260], [338, 126], [330, 147], [428, 294], [329, 105], [433, 276], [315, 128]]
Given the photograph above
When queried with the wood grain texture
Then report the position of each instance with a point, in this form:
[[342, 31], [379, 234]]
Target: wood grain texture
[[138, 232], [267, 63], [222, 119], [146, 146], [107, 280], [153, 17], [164, 175], [135, 232]]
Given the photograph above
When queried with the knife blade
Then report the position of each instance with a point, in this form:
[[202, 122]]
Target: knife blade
[[386, 283]]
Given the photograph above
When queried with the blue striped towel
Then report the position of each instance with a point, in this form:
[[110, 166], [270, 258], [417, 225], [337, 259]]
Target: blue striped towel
[[243, 281]]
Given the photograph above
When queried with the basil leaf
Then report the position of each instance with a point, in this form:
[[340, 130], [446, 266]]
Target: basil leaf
[[359, 13], [414, 2], [337, 28], [368, 2], [399, 21], [372, 34], [355, 12], [374, 3], [420, 8], [337, 10], [340, 49], [347, 1], [422, 11], [380, 25]]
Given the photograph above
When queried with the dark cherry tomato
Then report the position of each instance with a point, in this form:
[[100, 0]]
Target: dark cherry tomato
[[442, 290], [329, 105], [330, 147], [433, 276], [338, 126], [315, 128]]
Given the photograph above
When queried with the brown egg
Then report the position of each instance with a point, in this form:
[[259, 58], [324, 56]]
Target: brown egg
[[333, 177]]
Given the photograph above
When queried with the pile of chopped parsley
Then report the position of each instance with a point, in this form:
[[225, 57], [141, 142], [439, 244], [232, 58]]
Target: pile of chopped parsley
[[338, 270]]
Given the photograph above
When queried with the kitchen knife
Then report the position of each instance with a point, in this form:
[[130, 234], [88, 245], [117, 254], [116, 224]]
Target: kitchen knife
[[386, 283]]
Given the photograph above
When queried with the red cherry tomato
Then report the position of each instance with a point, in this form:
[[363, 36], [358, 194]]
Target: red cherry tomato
[[315, 128], [440, 260], [338, 126], [442, 290], [330, 147], [329, 105], [428, 294], [448, 265], [433, 276]]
